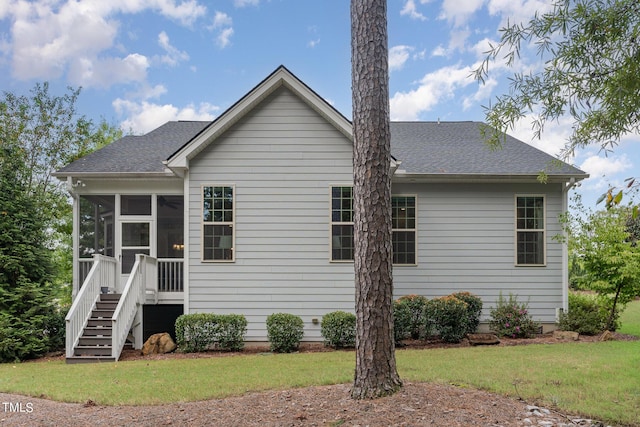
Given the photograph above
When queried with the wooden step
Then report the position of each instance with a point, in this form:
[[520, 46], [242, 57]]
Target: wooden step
[[89, 359], [93, 331], [86, 340], [99, 322], [87, 350], [105, 314], [107, 305], [110, 297]]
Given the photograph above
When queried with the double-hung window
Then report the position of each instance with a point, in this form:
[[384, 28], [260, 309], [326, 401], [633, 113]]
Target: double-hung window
[[217, 223], [530, 230], [403, 224], [342, 223]]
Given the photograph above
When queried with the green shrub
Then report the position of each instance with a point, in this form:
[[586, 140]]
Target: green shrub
[[285, 331], [512, 319], [338, 329], [587, 315], [410, 317], [449, 317], [202, 331], [401, 321], [474, 310]]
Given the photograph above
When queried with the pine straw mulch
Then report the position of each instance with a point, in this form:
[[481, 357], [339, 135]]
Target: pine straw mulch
[[416, 404]]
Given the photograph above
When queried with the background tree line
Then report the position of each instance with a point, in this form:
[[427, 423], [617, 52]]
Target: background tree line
[[39, 134]]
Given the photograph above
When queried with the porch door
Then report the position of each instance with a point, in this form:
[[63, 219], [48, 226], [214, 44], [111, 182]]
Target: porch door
[[136, 238]]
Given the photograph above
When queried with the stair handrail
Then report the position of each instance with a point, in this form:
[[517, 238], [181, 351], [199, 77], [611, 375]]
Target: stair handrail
[[132, 297], [102, 274]]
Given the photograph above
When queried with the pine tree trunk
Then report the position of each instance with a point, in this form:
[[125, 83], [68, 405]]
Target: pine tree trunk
[[376, 374]]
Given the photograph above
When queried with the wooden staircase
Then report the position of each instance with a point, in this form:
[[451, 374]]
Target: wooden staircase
[[95, 343]]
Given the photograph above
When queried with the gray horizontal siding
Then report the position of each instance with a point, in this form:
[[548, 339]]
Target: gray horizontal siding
[[282, 159], [466, 243]]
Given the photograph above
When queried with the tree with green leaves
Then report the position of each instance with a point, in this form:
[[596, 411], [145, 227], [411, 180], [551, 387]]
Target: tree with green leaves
[[590, 51], [376, 373], [46, 132], [609, 256], [29, 322]]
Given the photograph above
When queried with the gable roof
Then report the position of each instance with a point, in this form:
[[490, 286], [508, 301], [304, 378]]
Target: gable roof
[[280, 77], [420, 150]]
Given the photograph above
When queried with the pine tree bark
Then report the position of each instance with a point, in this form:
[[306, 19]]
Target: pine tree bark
[[376, 373]]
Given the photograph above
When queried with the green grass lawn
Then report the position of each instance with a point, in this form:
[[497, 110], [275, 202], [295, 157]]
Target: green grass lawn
[[596, 380]]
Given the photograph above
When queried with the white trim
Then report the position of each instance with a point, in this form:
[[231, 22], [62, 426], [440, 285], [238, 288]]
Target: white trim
[[543, 230], [231, 223], [187, 243]]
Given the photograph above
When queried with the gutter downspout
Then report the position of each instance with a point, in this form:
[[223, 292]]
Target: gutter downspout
[[565, 249]]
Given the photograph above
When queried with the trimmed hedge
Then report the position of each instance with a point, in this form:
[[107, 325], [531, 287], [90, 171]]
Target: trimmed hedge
[[285, 331], [474, 310], [450, 317], [408, 316], [203, 331], [338, 329]]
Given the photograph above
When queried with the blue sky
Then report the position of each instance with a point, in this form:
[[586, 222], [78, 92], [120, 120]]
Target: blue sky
[[144, 62]]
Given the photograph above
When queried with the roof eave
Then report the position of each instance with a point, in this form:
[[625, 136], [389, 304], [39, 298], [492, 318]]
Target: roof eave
[[403, 177], [114, 175]]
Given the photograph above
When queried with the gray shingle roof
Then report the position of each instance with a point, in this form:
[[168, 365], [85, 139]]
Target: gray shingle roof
[[137, 154], [454, 148], [433, 148]]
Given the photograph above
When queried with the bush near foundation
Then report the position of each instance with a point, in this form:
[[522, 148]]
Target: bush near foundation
[[203, 331], [510, 318], [284, 331], [587, 315], [449, 316], [338, 329]]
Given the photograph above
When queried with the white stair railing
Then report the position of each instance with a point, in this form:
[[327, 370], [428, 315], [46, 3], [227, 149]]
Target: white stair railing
[[102, 274], [144, 269]]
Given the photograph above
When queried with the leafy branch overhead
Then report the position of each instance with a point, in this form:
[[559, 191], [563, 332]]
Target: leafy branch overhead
[[590, 55]]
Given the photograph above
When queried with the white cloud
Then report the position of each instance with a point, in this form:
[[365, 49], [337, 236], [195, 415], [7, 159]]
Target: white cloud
[[103, 72], [223, 24], [596, 165], [145, 116], [243, 3], [398, 55], [221, 19], [459, 12], [434, 87], [50, 38], [410, 9], [224, 38], [173, 56], [518, 11], [313, 43], [439, 51]]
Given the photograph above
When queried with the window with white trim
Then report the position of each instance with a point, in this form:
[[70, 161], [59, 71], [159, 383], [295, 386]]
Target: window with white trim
[[403, 223], [218, 223], [530, 230], [341, 223]]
